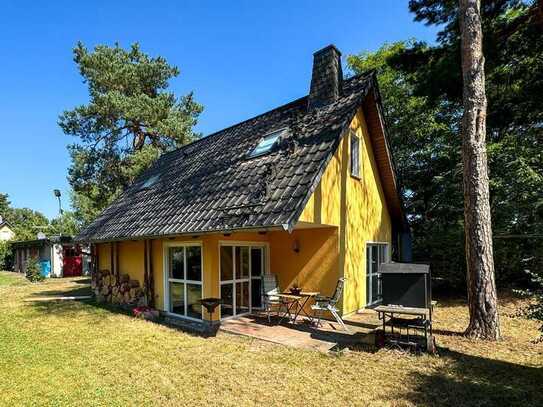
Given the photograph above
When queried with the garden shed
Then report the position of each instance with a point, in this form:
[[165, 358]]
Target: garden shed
[[58, 256]]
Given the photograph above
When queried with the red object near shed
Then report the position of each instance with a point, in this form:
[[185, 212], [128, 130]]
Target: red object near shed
[[72, 261]]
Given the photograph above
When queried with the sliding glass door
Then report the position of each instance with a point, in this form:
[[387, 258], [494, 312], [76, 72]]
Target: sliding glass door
[[376, 253], [183, 282], [241, 267]]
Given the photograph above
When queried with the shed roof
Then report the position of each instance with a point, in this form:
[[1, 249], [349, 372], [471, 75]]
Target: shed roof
[[42, 242]]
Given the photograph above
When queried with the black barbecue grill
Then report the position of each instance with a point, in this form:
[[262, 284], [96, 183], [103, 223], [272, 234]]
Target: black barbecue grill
[[406, 284], [406, 305]]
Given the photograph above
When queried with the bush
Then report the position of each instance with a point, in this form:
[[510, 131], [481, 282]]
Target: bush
[[535, 310], [33, 270], [5, 256]]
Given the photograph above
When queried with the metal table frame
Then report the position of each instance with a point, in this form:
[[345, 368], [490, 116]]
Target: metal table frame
[[297, 302], [422, 320]]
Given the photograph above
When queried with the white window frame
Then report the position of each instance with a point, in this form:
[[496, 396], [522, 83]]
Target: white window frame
[[387, 260], [168, 280], [265, 264], [352, 136]]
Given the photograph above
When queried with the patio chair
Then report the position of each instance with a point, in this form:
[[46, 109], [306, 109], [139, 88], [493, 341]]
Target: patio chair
[[270, 300], [323, 304]]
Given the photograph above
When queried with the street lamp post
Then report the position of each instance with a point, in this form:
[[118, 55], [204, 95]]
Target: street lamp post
[[57, 194]]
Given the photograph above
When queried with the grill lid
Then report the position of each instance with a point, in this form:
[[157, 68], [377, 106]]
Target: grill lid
[[407, 268]]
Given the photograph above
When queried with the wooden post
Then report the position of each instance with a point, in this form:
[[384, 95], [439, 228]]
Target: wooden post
[[151, 274], [111, 263], [117, 272], [145, 272], [95, 264]]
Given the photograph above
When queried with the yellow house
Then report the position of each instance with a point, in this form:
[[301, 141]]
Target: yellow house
[[306, 191], [6, 233]]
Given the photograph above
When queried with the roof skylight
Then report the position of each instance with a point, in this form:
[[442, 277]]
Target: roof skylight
[[149, 182], [267, 143]]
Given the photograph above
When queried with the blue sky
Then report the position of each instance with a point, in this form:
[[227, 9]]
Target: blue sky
[[240, 58]]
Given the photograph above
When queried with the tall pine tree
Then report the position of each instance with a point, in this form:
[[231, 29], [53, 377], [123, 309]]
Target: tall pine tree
[[131, 118]]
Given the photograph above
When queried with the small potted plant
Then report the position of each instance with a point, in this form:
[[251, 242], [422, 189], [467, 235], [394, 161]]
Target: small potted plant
[[295, 289], [146, 312]]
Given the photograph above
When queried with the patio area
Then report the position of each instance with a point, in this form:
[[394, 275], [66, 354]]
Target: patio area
[[303, 335]]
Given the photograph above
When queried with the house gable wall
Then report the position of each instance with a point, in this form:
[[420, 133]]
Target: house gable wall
[[356, 206]]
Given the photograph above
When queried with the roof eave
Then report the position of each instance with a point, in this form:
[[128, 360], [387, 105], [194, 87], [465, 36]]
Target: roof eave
[[256, 228]]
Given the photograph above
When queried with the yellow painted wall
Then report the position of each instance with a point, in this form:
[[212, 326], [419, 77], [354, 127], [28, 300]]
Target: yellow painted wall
[[350, 212], [357, 207], [131, 259], [314, 267], [104, 256]]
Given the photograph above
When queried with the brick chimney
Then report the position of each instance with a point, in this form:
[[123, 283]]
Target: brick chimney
[[327, 77]]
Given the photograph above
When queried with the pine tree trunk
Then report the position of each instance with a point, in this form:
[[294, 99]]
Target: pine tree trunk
[[482, 298]]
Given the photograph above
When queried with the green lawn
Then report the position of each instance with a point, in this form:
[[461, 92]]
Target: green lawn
[[74, 353], [7, 279]]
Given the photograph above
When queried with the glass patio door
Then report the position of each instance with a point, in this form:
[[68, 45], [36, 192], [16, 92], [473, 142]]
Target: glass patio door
[[184, 280], [241, 267], [376, 253]]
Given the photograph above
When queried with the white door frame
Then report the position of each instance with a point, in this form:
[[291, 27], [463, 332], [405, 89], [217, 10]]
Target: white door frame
[[166, 275], [265, 264], [387, 259]]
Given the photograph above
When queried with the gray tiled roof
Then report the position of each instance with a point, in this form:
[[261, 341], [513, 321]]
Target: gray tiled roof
[[211, 185]]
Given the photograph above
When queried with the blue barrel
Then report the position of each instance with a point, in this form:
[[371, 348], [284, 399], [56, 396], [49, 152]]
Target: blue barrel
[[45, 268]]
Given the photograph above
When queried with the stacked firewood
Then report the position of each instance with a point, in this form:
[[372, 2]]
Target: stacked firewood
[[117, 289]]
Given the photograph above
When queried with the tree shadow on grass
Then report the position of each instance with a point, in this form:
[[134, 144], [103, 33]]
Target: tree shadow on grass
[[99, 312], [85, 281], [477, 381], [71, 292], [446, 332], [82, 288], [74, 307]]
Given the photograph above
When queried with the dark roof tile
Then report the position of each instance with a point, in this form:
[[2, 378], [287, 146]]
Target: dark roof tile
[[211, 185]]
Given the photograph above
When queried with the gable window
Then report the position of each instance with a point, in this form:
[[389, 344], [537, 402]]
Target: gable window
[[355, 156], [267, 143]]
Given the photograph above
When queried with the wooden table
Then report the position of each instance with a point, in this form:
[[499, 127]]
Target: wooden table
[[298, 302]]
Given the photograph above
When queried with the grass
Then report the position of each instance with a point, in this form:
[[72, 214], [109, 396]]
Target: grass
[[8, 279], [77, 353]]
